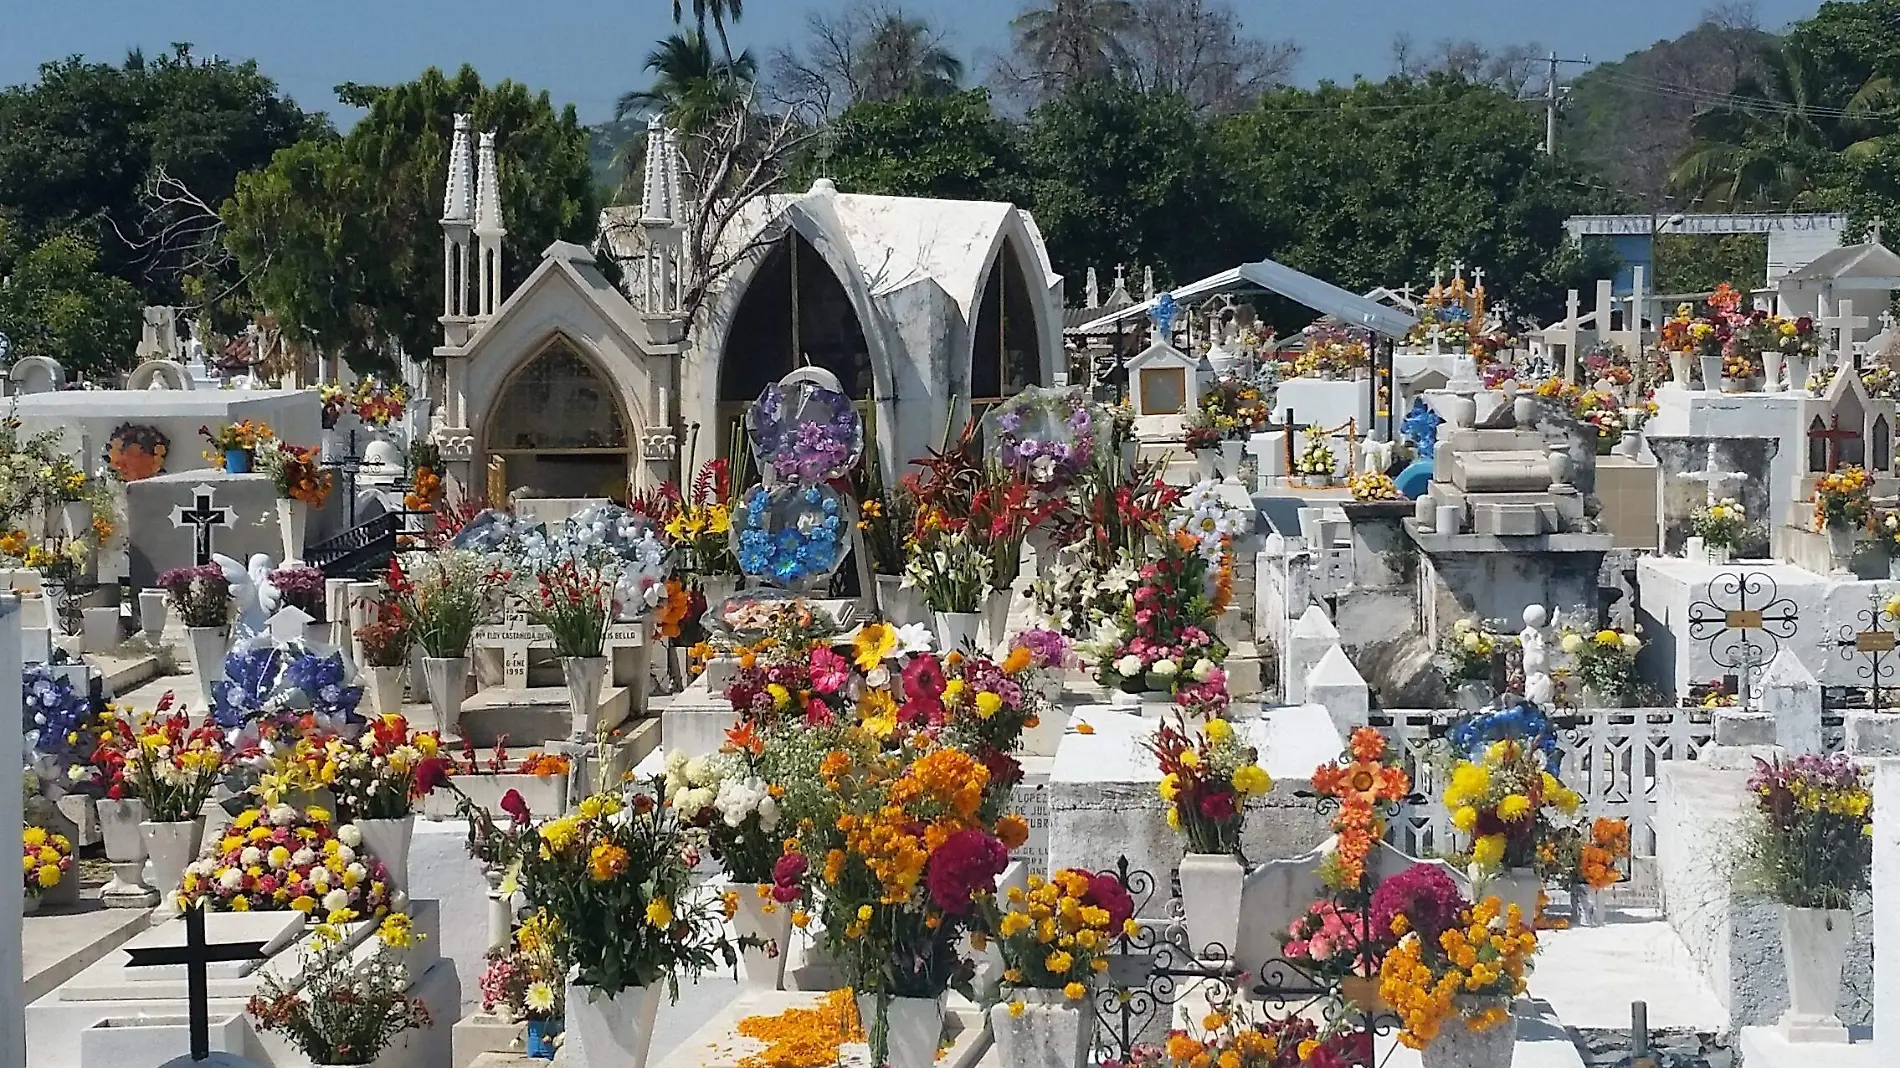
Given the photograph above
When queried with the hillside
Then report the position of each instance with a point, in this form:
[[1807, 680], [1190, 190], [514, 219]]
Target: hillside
[[604, 144], [1630, 119]]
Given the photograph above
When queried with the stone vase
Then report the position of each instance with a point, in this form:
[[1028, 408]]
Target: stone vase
[[914, 1027], [900, 605], [610, 1030], [1679, 368], [293, 523], [1711, 373], [1513, 886], [1771, 365], [1798, 367], [1050, 1031], [1228, 463], [1458, 1046], [1717, 554], [1630, 444], [207, 646], [154, 607], [764, 965], [1586, 906], [995, 618], [585, 676], [1562, 466], [1841, 543], [169, 847], [958, 629], [1524, 411], [1473, 695], [1813, 947], [446, 678], [386, 690], [1323, 480], [29, 904], [1204, 463], [119, 826], [388, 841], [1210, 902]]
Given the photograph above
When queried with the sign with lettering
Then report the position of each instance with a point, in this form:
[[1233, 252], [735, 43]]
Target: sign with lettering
[[1031, 801], [1744, 619], [1874, 641], [516, 637]]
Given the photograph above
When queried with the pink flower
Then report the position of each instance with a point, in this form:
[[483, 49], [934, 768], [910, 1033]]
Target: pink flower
[[967, 862], [829, 671]]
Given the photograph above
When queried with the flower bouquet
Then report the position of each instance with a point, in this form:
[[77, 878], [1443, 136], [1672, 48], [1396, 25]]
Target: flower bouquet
[[793, 535], [1373, 486], [233, 444], [1054, 937], [805, 433], [1162, 642], [1504, 796], [280, 685], [1452, 987], [1205, 780], [45, 858], [301, 586], [1366, 786], [1585, 858], [1235, 407], [1605, 663], [377, 403], [725, 796], [282, 858], [1077, 593], [526, 980], [61, 729], [1843, 499], [164, 761], [444, 596], [386, 770], [200, 595], [1046, 436], [1316, 462], [700, 527], [341, 1006], [1204, 514], [1720, 525], [296, 471], [1201, 437], [949, 566]]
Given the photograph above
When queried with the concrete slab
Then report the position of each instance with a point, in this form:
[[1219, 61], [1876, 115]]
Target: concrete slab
[[1647, 960], [1763, 1047], [57, 946], [717, 1044]]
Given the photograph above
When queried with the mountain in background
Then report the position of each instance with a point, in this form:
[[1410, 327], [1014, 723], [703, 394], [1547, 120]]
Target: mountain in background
[[604, 151], [1630, 119]]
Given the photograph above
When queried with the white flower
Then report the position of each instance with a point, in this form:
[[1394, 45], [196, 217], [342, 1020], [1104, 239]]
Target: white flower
[[1631, 643], [1165, 668], [349, 835], [251, 856], [359, 871], [1128, 665], [319, 877], [1203, 668], [914, 638], [344, 854], [878, 677], [698, 772], [336, 899]]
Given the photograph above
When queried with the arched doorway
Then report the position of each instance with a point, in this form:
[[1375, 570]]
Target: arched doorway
[[559, 427], [795, 311], [1006, 354]]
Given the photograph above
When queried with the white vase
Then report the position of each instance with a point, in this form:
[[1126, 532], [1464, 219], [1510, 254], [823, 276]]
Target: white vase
[[169, 847], [1050, 1031], [610, 1031], [718, 588], [955, 630], [1457, 1046], [1204, 463], [1679, 368], [1711, 373], [293, 523], [208, 646], [1813, 947], [388, 841], [1229, 460], [1586, 906], [1771, 364], [386, 690], [899, 605], [1717, 554], [446, 678], [75, 518], [764, 965], [1513, 886], [153, 607], [1210, 902], [995, 629], [1630, 444], [585, 675], [1893, 568], [914, 1026], [1474, 695], [1798, 373], [1841, 545], [125, 849]]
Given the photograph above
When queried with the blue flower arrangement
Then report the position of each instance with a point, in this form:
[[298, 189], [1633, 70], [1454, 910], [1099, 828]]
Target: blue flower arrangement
[[1524, 720], [54, 716], [267, 681], [792, 534]]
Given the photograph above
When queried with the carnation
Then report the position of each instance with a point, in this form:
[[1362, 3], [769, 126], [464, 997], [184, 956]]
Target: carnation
[[1425, 895], [966, 863]]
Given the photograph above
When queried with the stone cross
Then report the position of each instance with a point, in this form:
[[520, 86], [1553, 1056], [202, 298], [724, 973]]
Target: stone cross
[[1846, 322], [1606, 309], [1630, 338], [1566, 334], [1713, 478], [194, 955], [202, 516]]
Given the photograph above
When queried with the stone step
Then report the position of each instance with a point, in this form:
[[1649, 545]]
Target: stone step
[[532, 716]]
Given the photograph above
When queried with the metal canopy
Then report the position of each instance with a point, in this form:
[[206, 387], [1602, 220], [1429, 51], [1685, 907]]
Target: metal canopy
[[1321, 296]]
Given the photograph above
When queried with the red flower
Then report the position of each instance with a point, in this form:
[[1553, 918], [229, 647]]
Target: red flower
[[432, 773], [1219, 807], [923, 690], [787, 872], [1107, 892], [966, 863], [515, 806]]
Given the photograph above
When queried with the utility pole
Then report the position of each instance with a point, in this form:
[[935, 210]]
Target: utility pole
[[1553, 98]]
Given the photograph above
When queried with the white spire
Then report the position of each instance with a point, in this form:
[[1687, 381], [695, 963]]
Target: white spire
[[1092, 295], [1148, 283], [488, 190], [658, 194], [458, 202]]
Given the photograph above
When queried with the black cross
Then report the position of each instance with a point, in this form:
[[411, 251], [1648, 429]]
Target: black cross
[[202, 516], [194, 955], [347, 466]]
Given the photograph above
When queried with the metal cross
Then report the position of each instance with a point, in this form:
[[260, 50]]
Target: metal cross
[[1734, 609], [203, 517], [194, 955], [347, 466], [1869, 642]]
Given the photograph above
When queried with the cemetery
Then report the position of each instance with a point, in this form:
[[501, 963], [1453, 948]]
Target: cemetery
[[955, 673]]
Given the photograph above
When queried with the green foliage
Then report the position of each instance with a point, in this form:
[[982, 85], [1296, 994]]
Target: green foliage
[[83, 141], [55, 302], [951, 146], [1850, 43], [1697, 263], [341, 237]]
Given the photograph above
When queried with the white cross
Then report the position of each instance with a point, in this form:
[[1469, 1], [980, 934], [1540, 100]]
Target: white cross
[[1715, 480], [1630, 338], [1478, 273], [288, 624], [1568, 335], [1458, 270], [1846, 322]]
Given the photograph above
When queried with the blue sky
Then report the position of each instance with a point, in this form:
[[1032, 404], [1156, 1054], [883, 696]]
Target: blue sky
[[588, 51]]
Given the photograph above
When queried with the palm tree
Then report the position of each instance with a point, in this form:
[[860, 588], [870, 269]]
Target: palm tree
[[718, 11], [1074, 40], [901, 58], [689, 83], [1766, 145]]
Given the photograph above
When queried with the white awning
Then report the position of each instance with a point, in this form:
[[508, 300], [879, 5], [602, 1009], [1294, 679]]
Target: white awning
[[1321, 296]]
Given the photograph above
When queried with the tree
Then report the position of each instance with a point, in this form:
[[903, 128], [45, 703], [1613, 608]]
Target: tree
[[1510, 69], [953, 147], [341, 237], [870, 51], [904, 59], [689, 83], [54, 301], [1848, 44], [1065, 44], [718, 11], [1198, 48], [93, 143]]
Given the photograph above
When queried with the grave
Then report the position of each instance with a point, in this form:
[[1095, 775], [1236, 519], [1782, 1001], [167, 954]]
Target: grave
[[183, 518], [93, 414]]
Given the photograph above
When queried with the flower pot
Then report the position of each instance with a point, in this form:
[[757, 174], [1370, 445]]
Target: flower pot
[[1679, 368], [1591, 697], [1630, 444], [585, 675], [75, 518], [995, 630], [29, 904], [1586, 906], [153, 610], [1048, 1031], [898, 604], [1228, 463], [1797, 373], [1736, 385], [1204, 463], [1524, 411], [1771, 365], [610, 1030], [540, 1038], [388, 841], [1711, 373], [955, 630], [1323, 480], [125, 848], [386, 690], [1604, 445], [169, 847], [1813, 946], [1210, 902], [237, 461], [1513, 886], [293, 522], [1458, 1046], [764, 965], [914, 1027], [1841, 545], [1893, 568], [208, 646], [446, 678], [1473, 695], [1717, 555]]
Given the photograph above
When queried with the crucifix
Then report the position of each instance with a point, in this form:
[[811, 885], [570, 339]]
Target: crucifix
[[194, 955], [1833, 436], [203, 517], [1845, 322], [347, 465]]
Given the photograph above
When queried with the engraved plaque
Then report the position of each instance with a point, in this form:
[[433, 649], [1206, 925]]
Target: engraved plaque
[[1874, 641], [1163, 390], [1744, 619]]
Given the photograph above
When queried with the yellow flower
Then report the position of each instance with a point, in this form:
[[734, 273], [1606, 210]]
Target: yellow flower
[[874, 644], [1464, 818], [1219, 730], [1075, 991], [1488, 851], [1190, 758], [33, 837], [1170, 786], [988, 704], [660, 914], [1016, 1009], [48, 876], [1058, 962], [1514, 807], [304, 904], [1252, 779]]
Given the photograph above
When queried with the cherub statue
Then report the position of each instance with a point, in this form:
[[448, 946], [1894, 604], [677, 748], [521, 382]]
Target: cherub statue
[[1538, 687]]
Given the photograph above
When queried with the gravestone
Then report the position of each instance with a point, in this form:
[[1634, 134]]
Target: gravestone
[[516, 638], [182, 518], [35, 374], [160, 375]]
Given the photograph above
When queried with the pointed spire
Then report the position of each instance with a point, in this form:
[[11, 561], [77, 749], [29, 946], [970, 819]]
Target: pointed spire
[[656, 193], [488, 189], [458, 202], [1148, 283], [1092, 295]]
